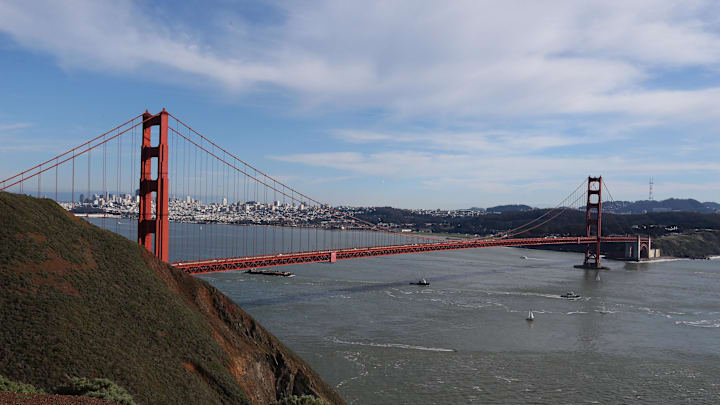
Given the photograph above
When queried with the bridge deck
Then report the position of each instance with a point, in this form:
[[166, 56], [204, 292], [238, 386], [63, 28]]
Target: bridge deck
[[252, 262]]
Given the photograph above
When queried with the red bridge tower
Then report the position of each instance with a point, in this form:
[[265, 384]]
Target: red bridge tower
[[593, 220], [160, 224]]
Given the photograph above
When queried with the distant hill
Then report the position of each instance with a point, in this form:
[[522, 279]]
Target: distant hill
[[81, 301], [509, 208], [650, 206]]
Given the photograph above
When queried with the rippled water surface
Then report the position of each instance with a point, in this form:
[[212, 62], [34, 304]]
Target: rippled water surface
[[643, 333]]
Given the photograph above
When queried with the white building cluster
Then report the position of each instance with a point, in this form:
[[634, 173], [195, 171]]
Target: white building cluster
[[189, 209]]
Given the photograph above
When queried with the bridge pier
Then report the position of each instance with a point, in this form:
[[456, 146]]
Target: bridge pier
[[634, 251]]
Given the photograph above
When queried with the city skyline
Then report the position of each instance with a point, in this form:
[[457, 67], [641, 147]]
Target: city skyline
[[372, 104]]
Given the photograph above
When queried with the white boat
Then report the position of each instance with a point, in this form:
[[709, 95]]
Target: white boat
[[530, 316]]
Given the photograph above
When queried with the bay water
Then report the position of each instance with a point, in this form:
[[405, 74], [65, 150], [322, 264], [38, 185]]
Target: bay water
[[640, 333]]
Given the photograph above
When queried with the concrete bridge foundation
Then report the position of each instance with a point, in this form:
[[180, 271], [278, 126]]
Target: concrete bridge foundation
[[640, 250]]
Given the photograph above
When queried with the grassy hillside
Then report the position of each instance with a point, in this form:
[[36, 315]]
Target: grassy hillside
[[82, 301], [695, 244]]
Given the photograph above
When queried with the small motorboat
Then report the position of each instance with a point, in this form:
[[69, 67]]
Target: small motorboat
[[570, 295], [530, 317], [421, 282]]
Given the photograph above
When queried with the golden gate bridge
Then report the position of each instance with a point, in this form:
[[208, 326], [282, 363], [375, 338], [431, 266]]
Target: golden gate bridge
[[167, 168]]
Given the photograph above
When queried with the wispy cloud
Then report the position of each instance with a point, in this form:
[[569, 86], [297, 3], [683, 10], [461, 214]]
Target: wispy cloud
[[466, 173], [408, 57], [13, 126], [507, 142]]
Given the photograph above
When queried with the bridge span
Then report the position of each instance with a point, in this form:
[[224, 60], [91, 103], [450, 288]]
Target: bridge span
[[246, 263], [184, 176]]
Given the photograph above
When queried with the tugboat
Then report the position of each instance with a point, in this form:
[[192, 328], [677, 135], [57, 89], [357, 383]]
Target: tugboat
[[570, 295], [421, 282]]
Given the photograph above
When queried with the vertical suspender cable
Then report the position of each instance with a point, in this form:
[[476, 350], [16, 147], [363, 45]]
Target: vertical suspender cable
[[274, 229], [104, 182], [245, 214], [87, 208], [265, 228], [56, 178], [213, 172], [255, 215], [72, 203]]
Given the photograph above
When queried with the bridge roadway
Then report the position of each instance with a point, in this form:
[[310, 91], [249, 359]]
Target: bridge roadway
[[282, 259]]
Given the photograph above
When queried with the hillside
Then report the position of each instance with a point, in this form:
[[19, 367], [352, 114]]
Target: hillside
[[509, 208], [696, 244], [80, 301], [671, 204]]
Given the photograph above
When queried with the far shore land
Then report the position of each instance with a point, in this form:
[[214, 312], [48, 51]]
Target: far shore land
[[409, 234]]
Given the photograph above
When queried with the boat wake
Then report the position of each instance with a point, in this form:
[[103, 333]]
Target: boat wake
[[532, 258], [526, 294], [392, 345], [704, 323]]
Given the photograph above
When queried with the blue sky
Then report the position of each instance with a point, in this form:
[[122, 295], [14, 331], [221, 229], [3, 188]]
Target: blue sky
[[404, 103]]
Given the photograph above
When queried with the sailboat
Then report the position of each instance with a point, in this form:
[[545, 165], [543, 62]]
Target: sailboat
[[530, 316]]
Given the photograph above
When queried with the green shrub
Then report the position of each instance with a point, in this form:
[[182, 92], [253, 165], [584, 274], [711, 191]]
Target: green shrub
[[101, 388], [302, 400], [12, 386]]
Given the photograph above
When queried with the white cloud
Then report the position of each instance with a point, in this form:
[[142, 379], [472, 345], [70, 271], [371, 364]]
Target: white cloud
[[567, 72], [462, 59], [467, 174], [505, 142]]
